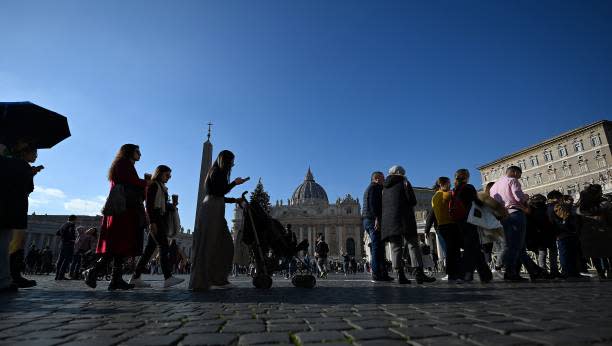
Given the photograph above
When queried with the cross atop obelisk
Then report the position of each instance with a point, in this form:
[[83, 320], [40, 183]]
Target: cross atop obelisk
[[206, 162]]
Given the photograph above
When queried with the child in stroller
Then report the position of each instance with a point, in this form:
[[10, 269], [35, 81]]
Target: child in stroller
[[270, 244]]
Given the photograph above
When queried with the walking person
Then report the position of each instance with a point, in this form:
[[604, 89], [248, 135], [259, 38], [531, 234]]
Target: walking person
[[16, 182], [85, 244], [398, 224], [448, 230], [321, 252], [122, 235], [213, 248], [67, 234], [507, 191], [372, 216], [463, 196], [158, 207]]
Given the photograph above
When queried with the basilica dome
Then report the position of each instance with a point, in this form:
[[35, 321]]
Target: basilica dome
[[309, 192]]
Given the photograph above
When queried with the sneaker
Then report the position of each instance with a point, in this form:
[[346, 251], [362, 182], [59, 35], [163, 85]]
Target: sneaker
[[139, 283], [445, 278], [172, 281]]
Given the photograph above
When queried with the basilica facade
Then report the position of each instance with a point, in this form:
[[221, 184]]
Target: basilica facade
[[310, 213]]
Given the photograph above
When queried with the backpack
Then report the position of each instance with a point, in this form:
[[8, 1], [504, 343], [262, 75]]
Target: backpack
[[456, 207]]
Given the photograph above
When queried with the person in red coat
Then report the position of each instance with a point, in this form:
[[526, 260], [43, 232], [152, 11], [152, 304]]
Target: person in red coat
[[122, 235]]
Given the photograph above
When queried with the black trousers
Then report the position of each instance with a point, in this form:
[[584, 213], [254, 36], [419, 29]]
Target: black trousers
[[159, 240], [473, 257], [453, 240]]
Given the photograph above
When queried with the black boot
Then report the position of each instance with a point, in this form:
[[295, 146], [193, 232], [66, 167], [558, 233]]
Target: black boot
[[117, 282], [91, 274], [17, 265], [421, 277], [401, 277]]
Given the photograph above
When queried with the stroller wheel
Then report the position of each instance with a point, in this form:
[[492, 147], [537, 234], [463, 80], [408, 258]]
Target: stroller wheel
[[304, 281], [262, 281]]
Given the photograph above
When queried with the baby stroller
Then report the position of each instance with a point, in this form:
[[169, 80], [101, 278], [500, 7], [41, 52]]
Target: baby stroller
[[89, 258], [270, 244]]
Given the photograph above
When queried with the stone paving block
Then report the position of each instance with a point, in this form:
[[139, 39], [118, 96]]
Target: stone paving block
[[501, 340], [507, 327], [441, 341], [209, 328], [95, 333], [331, 326], [380, 342], [369, 324], [244, 328], [419, 332], [95, 342], [264, 338], [153, 340], [464, 329], [559, 338], [209, 340], [373, 334], [292, 328], [39, 342], [317, 337]]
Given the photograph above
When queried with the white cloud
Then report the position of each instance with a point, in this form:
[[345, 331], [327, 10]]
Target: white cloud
[[85, 206], [49, 192], [43, 196]]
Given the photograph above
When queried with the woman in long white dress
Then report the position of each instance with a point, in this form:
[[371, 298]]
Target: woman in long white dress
[[213, 248]]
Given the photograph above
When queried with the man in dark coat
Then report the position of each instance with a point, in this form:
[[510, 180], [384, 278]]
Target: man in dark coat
[[372, 214], [399, 224], [16, 184], [67, 234]]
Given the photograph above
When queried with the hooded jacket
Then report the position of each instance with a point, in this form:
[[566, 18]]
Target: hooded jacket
[[398, 201]]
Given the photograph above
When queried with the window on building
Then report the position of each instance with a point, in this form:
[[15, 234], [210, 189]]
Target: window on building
[[578, 147], [567, 169], [485, 177], [562, 151], [538, 178], [522, 164], [595, 140], [582, 165], [601, 160], [548, 156], [534, 161], [552, 174], [526, 182]]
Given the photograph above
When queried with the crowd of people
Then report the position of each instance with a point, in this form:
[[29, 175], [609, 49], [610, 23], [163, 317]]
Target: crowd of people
[[552, 226]]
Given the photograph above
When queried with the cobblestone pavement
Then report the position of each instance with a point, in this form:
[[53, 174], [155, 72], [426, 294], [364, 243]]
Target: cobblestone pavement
[[336, 312]]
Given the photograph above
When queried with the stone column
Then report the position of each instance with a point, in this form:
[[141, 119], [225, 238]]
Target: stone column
[[301, 228], [358, 242]]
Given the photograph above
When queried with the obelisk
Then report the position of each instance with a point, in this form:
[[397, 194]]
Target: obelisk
[[206, 164]]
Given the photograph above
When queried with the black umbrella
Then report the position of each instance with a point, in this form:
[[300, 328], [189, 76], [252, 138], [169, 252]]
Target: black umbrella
[[32, 123]]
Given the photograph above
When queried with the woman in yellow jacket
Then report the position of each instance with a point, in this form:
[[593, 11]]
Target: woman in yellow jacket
[[449, 230]]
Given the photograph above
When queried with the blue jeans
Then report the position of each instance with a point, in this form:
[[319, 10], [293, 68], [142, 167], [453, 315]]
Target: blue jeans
[[515, 229], [568, 256], [377, 249]]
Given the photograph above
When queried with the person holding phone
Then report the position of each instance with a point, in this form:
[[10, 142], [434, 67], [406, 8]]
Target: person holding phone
[[213, 248]]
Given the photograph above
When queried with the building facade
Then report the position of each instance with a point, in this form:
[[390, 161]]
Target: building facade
[[42, 231], [568, 162], [309, 213]]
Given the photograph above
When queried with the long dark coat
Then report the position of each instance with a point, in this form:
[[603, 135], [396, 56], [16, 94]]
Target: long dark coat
[[16, 184], [398, 201], [123, 235]]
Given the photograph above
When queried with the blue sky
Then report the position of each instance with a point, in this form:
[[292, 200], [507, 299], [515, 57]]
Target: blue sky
[[345, 87]]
